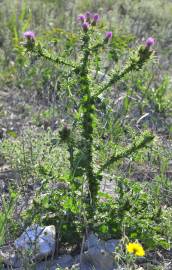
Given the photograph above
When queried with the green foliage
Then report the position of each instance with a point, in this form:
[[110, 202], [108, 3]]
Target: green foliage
[[134, 210], [6, 214], [98, 104]]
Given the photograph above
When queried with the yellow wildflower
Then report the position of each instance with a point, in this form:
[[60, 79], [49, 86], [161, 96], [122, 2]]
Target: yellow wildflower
[[136, 249]]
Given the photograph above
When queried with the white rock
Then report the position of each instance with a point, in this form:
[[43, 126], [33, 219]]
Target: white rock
[[37, 241], [99, 254], [92, 241], [110, 245], [98, 259]]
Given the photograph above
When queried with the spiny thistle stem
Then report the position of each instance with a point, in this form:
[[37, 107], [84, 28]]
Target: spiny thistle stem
[[134, 64], [87, 123], [43, 53], [138, 144]]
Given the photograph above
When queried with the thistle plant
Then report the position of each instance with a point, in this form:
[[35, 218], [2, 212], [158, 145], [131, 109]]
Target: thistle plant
[[89, 93]]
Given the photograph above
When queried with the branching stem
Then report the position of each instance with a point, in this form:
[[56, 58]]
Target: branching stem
[[129, 150]]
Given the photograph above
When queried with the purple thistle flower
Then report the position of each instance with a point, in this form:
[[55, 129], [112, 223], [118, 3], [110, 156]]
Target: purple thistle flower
[[108, 36], [85, 26], [81, 18], [30, 35], [96, 18], [150, 42], [88, 16]]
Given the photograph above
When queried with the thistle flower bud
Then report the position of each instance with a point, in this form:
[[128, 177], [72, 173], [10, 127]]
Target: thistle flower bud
[[88, 16], [30, 39], [82, 18], [108, 36], [85, 26], [96, 18], [150, 42], [29, 35]]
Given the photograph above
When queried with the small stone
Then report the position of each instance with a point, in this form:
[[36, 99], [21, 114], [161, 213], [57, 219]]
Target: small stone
[[111, 245], [63, 261], [91, 241], [98, 254], [9, 257], [95, 259]]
